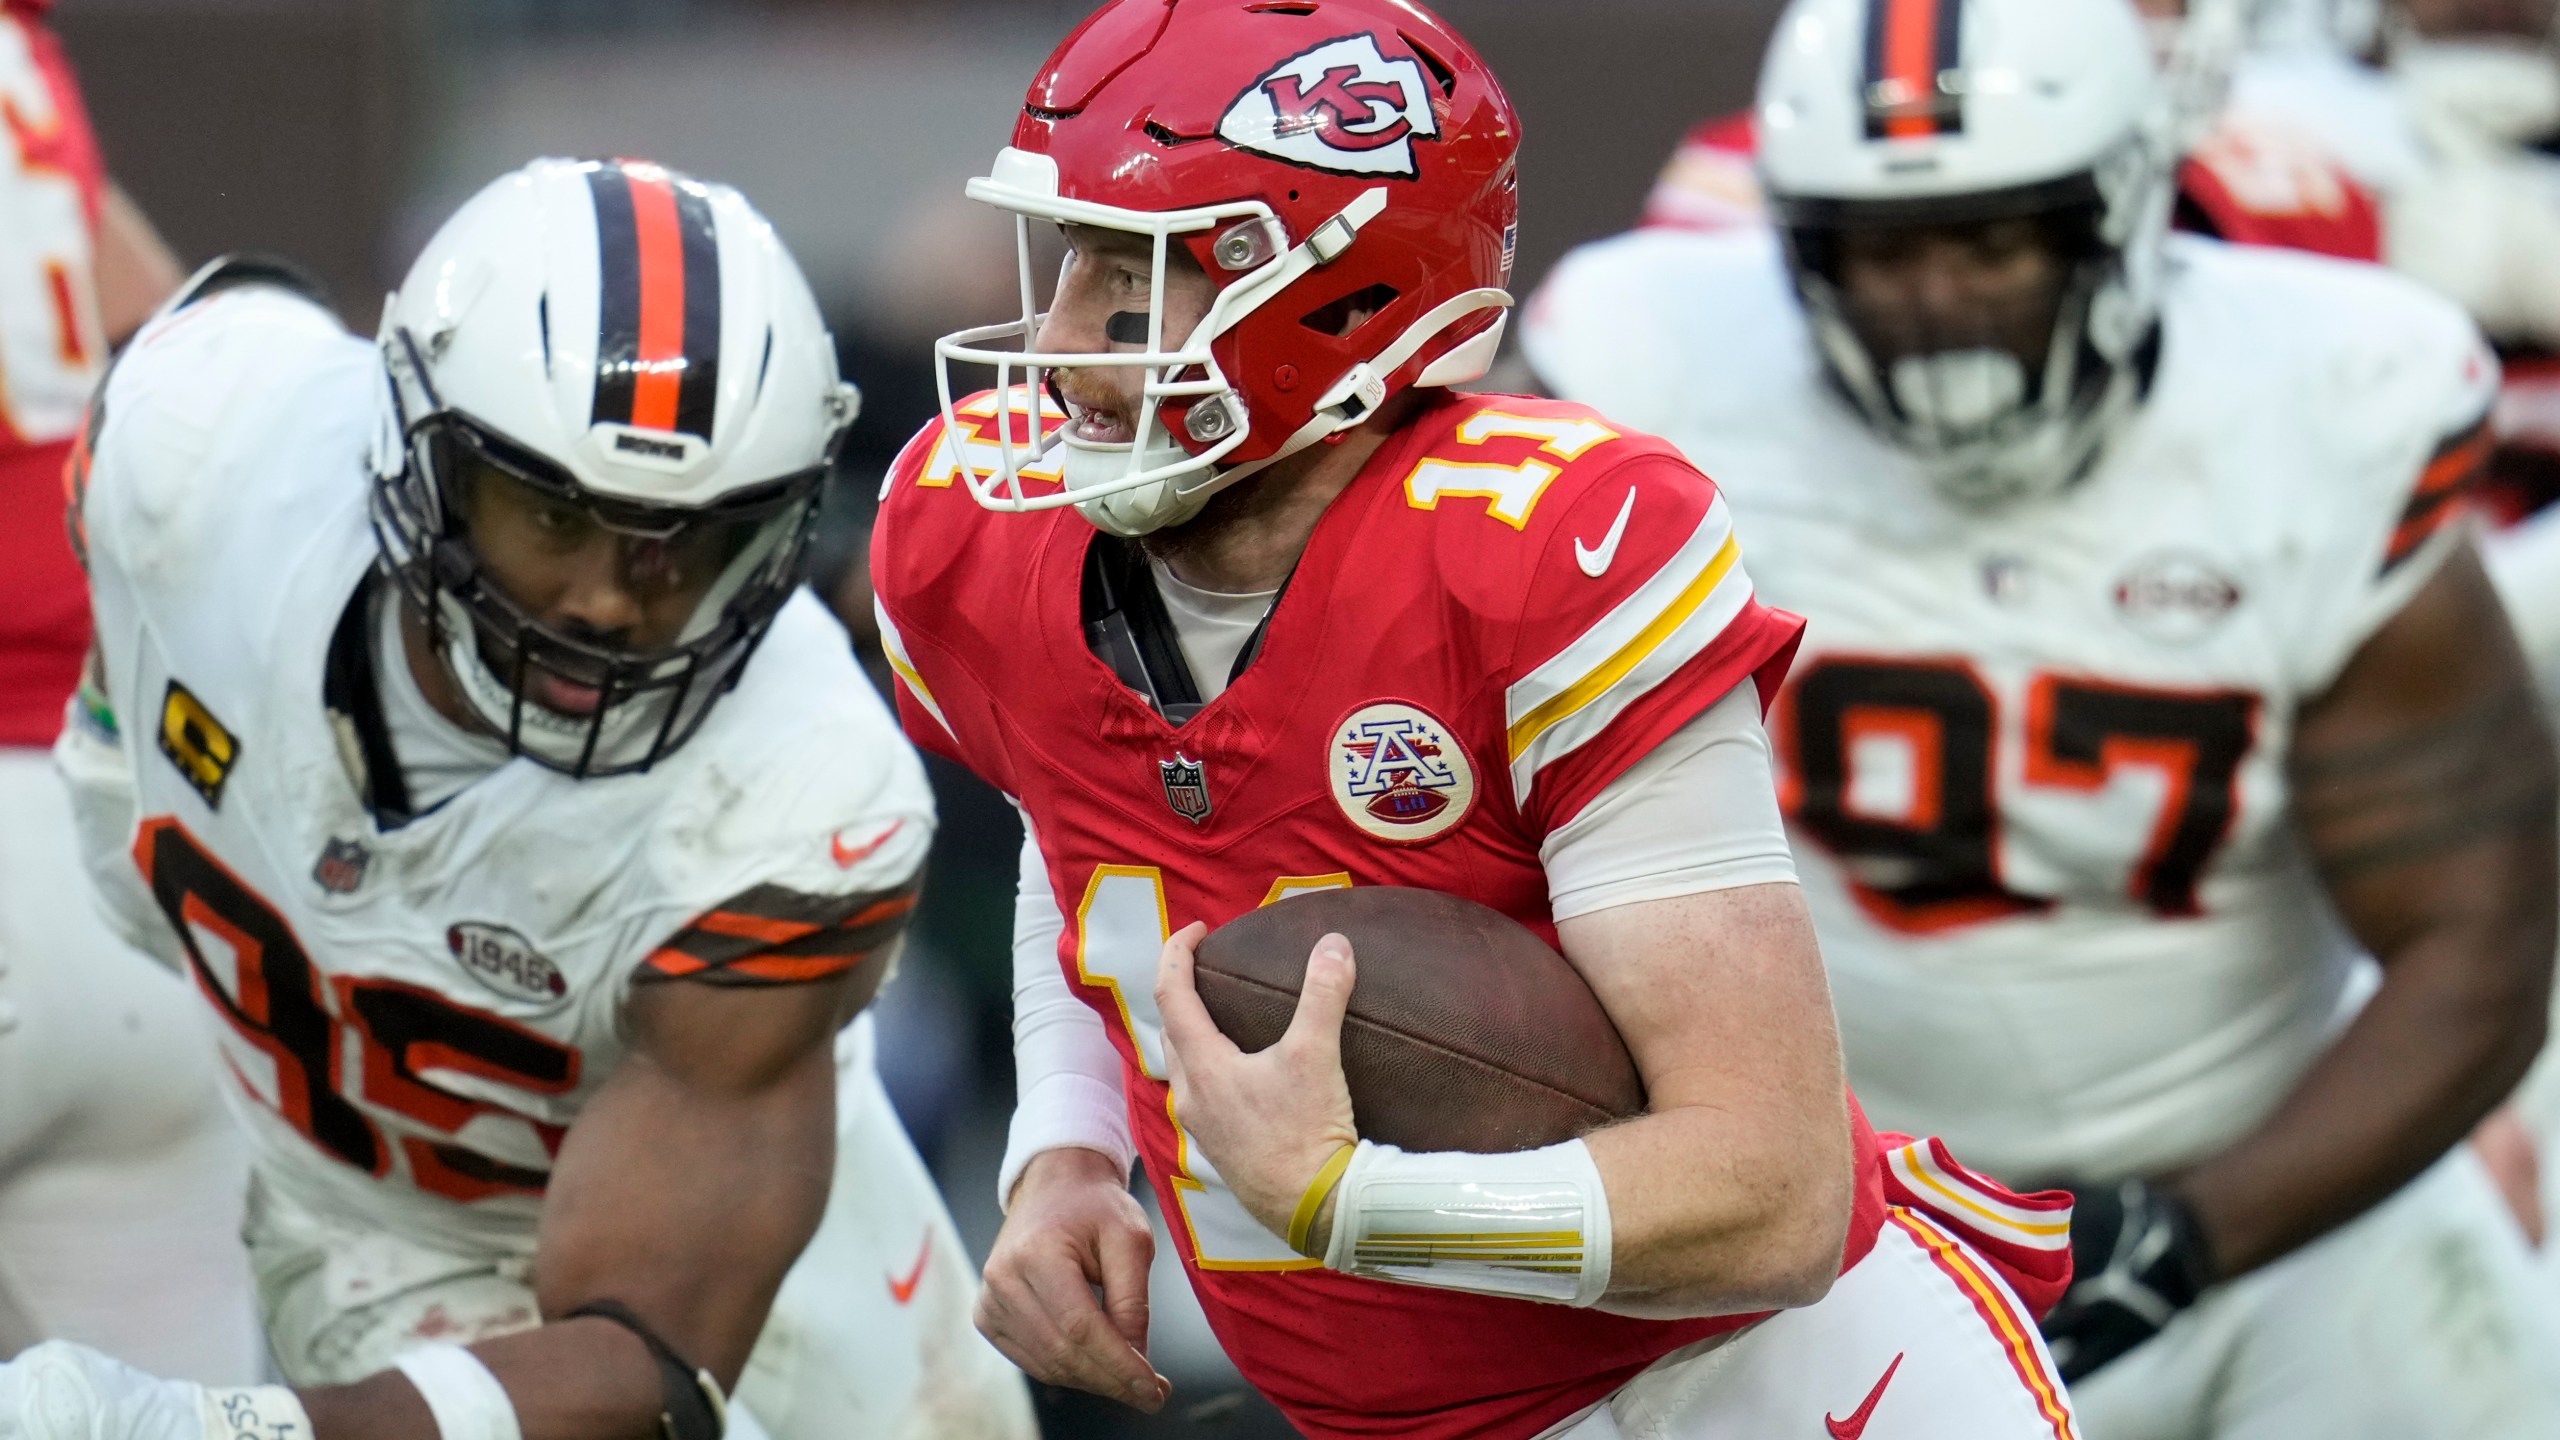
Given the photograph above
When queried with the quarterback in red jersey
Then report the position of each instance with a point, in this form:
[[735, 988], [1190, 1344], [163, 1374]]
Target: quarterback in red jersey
[[120, 1175], [1324, 623]]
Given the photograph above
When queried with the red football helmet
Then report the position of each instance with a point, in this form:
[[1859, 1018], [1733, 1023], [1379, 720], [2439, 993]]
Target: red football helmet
[[1308, 153]]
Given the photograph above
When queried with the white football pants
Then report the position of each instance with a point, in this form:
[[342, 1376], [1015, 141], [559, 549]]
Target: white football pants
[[121, 1171], [2423, 1319], [1920, 1339], [871, 1334]]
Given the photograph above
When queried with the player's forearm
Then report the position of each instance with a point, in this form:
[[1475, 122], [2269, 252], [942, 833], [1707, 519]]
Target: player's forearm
[[1715, 1212], [1706, 1219], [2442, 1043], [379, 1407], [688, 1206], [579, 1380], [1734, 1193], [1067, 1075], [2423, 790]]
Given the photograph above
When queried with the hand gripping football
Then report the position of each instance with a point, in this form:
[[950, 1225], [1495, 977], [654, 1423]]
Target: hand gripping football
[[1466, 1031]]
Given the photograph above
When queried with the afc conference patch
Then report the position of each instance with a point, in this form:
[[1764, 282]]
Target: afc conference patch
[[1399, 774]]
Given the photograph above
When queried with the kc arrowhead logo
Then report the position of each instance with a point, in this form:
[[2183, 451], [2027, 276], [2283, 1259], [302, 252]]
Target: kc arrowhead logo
[[1343, 106]]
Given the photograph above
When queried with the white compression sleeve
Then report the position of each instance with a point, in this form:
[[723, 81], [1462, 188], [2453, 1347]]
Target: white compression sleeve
[[1067, 1083], [1533, 1225], [1699, 813]]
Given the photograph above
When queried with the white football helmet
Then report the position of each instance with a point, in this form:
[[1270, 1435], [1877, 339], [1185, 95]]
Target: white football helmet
[[1891, 113], [639, 344]]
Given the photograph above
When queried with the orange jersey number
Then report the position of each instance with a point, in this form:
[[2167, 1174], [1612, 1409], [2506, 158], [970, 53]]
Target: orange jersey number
[[280, 1003], [1931, 862]]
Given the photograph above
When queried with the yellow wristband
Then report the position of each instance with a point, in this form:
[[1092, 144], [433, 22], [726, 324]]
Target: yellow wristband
[[1313, 1200]]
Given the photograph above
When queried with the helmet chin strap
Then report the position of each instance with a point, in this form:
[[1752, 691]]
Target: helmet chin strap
[[1177, 499], [1143, 510]]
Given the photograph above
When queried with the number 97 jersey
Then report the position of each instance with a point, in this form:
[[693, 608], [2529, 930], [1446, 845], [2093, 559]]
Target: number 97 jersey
[[2033, 756]]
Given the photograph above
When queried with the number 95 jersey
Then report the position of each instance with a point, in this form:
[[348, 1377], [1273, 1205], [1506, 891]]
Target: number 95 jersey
[[415, 1014], [2034, 755]]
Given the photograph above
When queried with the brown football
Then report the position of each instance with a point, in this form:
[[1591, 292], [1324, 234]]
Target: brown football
[[1466, 1032]]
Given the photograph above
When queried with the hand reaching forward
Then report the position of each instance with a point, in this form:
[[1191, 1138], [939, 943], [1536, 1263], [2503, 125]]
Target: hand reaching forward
[[1267, 1122], [1073, 1226]]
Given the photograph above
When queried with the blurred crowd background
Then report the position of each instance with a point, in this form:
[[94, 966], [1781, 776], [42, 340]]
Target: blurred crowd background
[[340, 132]]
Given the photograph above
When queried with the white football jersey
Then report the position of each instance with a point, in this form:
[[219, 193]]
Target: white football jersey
[[2033, 757], [2350, 109], [415, 1015]]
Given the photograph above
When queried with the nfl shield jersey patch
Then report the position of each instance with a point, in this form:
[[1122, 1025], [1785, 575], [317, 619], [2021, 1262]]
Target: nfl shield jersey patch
[[1186, 787], [340, 869]]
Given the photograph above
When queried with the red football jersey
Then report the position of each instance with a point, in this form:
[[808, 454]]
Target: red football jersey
[[1512, 603], [51, 184], [2255, 183]]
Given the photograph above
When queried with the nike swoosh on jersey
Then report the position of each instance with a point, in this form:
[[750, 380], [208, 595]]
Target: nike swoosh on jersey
[[1595, 563], [1856, 1424], [848, 856], [903, 1291]]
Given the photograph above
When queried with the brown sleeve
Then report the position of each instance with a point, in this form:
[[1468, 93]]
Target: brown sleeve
[[2443, 492], [775, 936]]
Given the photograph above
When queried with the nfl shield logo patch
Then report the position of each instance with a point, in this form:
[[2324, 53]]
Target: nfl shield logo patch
[[342, 866], [1186, 787]]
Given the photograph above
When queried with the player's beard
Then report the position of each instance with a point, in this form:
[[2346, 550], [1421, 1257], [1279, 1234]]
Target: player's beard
[[1239, 509]]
